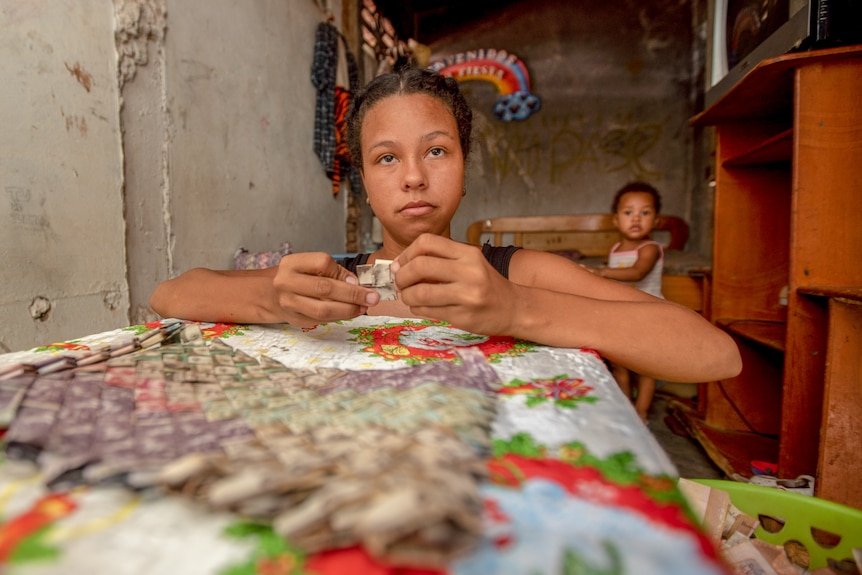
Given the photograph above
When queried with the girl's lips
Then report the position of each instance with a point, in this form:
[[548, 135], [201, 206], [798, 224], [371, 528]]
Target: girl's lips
[[416, 209]]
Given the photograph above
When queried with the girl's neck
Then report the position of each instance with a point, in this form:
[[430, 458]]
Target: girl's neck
[[391, 248], [383, 253]]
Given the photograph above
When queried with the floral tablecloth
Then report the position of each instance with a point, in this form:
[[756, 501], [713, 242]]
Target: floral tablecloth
[[574, 482]]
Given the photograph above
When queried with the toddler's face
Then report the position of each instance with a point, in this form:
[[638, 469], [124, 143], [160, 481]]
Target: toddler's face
[[636, 215]]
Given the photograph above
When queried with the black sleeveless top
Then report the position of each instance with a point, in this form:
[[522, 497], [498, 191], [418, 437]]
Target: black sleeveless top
[[498, 257]]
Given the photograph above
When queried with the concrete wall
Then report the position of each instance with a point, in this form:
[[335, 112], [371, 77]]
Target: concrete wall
[[144, 137], [62, 250], [224, 118], [615, 81]]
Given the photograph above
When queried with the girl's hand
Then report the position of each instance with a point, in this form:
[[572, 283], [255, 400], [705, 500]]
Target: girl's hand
[[311, 288], [439, 278], [599, 271]]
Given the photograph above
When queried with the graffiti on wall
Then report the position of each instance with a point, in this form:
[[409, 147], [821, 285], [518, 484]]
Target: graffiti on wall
[[563, 147], [25, 210], [504, 70]]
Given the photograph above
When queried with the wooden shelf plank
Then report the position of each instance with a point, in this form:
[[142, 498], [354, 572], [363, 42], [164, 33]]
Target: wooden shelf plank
[[769, 333], [840, 465], [767, 90], [852, 293], [777, 149]]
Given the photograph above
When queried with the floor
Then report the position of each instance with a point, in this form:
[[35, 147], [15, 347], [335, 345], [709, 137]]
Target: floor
[[689, 457]]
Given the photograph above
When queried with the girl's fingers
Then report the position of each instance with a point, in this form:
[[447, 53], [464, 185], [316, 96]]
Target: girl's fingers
[[316, 276]]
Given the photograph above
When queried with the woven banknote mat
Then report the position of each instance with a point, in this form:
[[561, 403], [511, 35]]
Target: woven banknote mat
[[389, 459]]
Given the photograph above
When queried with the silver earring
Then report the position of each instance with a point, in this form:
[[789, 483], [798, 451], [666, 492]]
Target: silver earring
[[367, 201], [463, 192]]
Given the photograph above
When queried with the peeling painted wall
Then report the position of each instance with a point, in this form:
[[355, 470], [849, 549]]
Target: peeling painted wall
[[137, 23], [145, 137]]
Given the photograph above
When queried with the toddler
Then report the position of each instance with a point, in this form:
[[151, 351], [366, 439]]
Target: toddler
[[637, 260]]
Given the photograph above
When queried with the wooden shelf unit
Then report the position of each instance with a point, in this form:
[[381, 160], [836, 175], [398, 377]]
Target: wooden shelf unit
[[770, 334], [787, 266]]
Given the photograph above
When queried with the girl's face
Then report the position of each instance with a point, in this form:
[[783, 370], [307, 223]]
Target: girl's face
[[412, 167], [636, 215]]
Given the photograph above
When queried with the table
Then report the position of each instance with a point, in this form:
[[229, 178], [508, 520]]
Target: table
[[512, 457]]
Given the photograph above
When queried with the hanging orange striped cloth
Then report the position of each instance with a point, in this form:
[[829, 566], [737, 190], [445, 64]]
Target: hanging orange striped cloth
[[341, 161]]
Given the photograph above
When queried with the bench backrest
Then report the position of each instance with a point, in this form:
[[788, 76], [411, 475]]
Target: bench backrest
[[590, 234]]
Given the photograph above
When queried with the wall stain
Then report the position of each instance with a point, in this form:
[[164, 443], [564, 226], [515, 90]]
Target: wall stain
[[78, 123], [635, 66], [83, 77]]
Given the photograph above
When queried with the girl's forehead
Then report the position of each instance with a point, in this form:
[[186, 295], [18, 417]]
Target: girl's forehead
[[404, 116], [414, 104]]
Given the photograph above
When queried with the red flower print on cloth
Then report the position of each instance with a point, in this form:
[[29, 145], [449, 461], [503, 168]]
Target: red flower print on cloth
[[590, 483], [32, 524], [563, 390], [151, 325], [222, 330], [61, 346], [498, 525], [209, 331], [417, 342]]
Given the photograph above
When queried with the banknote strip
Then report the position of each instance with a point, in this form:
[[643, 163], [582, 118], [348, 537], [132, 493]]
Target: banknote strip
[[331, 457], [378, 276]]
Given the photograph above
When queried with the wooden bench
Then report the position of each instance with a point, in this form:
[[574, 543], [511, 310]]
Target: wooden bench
[[587, 238]]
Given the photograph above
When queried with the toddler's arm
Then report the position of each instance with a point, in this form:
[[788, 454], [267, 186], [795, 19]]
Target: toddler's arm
[[648, 255]]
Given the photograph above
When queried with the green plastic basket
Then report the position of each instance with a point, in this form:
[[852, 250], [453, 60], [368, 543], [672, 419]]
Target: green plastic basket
[[799, 513]]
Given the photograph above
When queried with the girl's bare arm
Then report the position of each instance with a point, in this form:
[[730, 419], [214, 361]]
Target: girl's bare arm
[[553, 301], [304, 290]]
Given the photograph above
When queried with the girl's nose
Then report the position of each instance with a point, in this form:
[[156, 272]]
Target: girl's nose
[[414, 175]]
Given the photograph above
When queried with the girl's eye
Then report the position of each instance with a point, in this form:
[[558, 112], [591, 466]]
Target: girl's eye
[[436, 152], [386, 159]]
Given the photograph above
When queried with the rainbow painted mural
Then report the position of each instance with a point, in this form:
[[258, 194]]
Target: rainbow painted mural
[[506, 71]]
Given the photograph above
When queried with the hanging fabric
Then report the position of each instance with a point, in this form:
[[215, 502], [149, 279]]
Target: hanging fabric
[[333, 101]]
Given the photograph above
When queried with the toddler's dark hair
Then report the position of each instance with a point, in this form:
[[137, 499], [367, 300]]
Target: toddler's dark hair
[[408, 80], [637, 187]]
